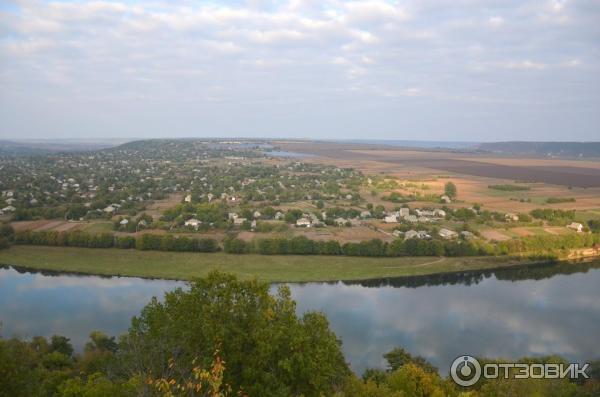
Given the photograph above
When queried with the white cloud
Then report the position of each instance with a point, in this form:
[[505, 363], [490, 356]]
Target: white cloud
[[314, 51]]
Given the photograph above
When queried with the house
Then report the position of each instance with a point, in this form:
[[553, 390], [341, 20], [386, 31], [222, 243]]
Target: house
[[447, 234], [411, 218], [365, 214], [510, 217], [411, 234], [279, 216], [10, 201], [256, 214], [467, 235], [348, 197], [393, 218], [109, 210], [195, 223], [124, 222], [10, 208], [232, 216], [188, 198], [303, 222], [438, 213], [445, 199], [404, 212], [578, 227], [238, 221], [340, 221]]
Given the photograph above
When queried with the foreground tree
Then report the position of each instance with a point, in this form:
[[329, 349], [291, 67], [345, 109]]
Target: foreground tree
[[267, 349]]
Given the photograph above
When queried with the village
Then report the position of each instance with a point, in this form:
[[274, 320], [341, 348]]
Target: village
[[230, 189]]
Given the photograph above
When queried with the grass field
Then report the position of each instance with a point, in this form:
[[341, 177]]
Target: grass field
[[185, 266]]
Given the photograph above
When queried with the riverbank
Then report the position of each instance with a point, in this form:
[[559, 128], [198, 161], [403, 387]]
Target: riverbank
[[271, 268]]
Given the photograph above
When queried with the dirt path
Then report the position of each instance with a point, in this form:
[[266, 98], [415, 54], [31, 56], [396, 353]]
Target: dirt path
[[420, 264]]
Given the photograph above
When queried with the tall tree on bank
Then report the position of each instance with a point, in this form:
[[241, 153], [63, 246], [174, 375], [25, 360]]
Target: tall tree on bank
[[266, 348]]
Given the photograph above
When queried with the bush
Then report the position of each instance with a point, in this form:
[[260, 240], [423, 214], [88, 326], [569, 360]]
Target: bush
[[235, 246], [126, 242]]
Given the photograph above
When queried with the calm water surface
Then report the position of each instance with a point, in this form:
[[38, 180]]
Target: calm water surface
[[506, 313]]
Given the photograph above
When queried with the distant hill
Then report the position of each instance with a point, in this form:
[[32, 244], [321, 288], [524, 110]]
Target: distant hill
[[544, 149], [46, 146]]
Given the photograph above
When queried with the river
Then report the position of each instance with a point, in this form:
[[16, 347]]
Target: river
[[508, 313]]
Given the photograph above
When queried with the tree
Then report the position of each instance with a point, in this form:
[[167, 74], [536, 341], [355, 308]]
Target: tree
[[398, 357], [61, 344], [267, 349], [450, 189]]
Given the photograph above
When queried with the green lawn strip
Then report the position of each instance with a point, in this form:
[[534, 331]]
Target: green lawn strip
[[284, 268]]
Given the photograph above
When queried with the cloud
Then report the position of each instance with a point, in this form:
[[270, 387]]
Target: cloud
[[166, 55]]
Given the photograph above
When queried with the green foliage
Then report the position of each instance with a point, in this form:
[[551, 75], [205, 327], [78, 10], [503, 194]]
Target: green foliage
[[146, 241], [594, 225], [558, 200], [235, 246], [450, 190], [267, 349], [550, 214], [399, 357], [509, 188]]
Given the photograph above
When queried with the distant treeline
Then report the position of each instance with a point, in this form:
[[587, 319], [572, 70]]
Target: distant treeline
[[509, 188], [301, 245], [549, 149]]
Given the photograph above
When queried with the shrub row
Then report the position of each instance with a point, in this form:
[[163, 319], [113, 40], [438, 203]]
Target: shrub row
[[107, 240], [375, 248], [303, 246]]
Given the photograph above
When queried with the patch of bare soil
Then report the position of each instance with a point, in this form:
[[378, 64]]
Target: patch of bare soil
[[494, 235]]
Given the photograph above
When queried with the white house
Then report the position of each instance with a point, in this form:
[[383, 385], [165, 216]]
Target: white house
[[393, 218], [578, 227], [411, 234], [404, 212], [256, 214], [279, 215], [238, 221], [10, 208], [340, 221], [411, 218], [303, 222], [188, 198], [195, 223], [510, 217], [466, 235], [447, 234], [439, 213], [445, 199], [124, 222]]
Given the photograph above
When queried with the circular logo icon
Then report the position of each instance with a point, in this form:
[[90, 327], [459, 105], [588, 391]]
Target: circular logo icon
[[465, 371]]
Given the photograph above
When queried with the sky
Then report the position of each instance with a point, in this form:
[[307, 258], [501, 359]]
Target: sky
[[461, 70]]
